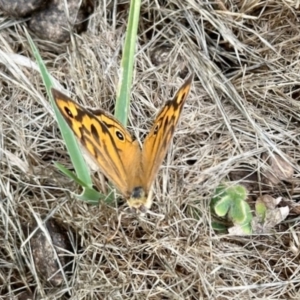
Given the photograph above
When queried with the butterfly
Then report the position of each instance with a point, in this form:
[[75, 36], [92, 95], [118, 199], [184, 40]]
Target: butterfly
[[129, 167]]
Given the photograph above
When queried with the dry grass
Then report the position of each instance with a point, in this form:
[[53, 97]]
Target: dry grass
[[244, 101]]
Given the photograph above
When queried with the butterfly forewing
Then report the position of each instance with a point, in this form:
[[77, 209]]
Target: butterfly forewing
[[158, 140], [105, 139], [126, 149]]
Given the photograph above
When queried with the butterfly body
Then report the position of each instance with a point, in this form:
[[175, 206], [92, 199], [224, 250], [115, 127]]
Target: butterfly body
[[132, 169]]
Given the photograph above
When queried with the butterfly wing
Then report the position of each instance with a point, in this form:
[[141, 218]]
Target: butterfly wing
[[157, 141], [116, 153]]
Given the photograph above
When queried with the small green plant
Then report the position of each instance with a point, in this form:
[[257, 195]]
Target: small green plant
[[231, 201], [268, 214]]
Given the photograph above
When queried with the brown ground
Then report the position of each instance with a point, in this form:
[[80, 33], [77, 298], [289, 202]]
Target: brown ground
[[244, 102]]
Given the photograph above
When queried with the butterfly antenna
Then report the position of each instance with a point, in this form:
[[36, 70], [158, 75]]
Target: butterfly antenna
[[119, 223]]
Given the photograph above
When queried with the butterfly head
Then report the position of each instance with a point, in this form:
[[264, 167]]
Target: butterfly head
[[138, 201]]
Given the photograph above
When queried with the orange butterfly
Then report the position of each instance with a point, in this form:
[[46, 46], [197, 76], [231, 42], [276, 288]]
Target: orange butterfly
[[119, 156]]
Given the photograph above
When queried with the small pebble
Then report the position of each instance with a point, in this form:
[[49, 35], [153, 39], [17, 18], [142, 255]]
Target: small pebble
[[21, 8], [44, 256], [52, 23]]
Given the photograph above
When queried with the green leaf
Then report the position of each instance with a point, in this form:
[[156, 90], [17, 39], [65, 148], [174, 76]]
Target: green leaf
[[237, 192], [231, 200], [218, 226], [260, 209], [222, 206], [240, 212], [219, 193], [247, 228]]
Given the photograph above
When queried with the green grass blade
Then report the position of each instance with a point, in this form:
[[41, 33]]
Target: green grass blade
[[92, 196], [69, 173], [127, 64], [77, 159], [88, 194]]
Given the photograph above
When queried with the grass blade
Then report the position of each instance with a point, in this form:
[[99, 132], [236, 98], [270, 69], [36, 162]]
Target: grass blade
[[77, 159], [125, 81]]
